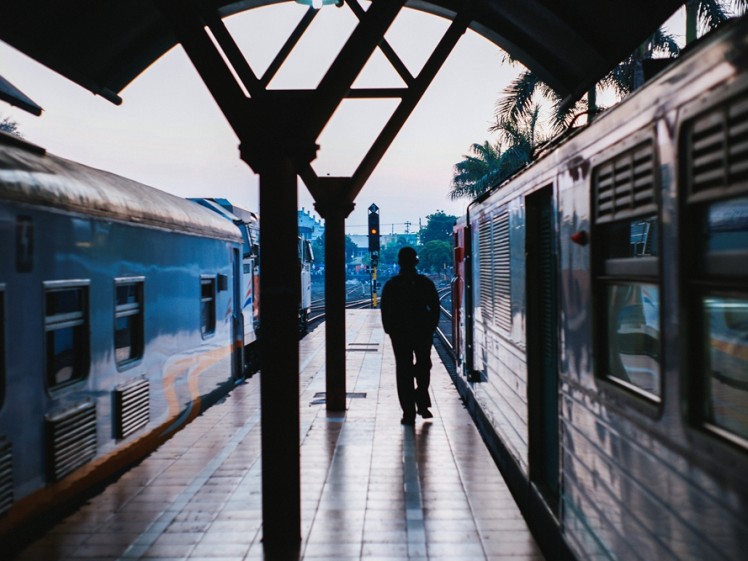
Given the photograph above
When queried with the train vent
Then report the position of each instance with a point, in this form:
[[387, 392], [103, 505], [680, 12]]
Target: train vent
[[71, 439], [6, 476], [502, 271], [486, 266], [718, 147], [625, 185], [131, 407], [495, 274]]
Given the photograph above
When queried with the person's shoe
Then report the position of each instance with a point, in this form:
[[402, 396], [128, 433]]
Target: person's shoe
[[407, 421], [425, 413]]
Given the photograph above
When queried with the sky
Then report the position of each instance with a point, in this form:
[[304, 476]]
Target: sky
[[170, 134]]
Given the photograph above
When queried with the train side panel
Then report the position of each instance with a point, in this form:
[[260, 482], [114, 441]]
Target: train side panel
[[649, 452], [499, 359], [115, 335]]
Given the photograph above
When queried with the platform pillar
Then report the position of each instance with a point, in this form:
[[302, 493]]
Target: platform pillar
[[334, 206], [279, 347]]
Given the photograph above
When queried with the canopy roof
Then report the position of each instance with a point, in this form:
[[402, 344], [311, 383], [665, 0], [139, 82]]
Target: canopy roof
[[103, 46], [14, 96]]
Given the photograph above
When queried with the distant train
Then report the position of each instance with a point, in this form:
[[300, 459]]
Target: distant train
[[601, 320], [124, 312], [249, 226]]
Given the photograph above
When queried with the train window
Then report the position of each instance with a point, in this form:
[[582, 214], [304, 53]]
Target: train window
[[129, 321], [208, 305], [715, 254], [720, 319], [67, 332], [633, 334], [626, 268], [724, 347]]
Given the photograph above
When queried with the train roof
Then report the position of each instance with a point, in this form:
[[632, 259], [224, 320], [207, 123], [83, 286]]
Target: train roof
[[29, 175]]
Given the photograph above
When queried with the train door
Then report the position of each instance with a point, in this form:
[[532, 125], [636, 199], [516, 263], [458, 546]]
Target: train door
[[237, 353], [542, 348]]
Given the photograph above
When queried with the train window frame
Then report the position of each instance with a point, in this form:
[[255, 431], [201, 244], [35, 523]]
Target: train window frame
[[78, 320], [208, 303], [614, 264], [130, 310], [715, 268]]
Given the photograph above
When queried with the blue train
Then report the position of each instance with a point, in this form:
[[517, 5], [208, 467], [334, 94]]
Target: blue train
[[124, 312], [601, 320]]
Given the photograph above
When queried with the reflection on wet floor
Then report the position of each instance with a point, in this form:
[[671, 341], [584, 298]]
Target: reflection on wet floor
[[371, 489]]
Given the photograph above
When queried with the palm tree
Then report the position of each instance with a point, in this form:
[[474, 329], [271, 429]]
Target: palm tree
[[516, 113], [710, 14], [624, 78], [518, 97], [475, 174], [628, 75], [491, 164]]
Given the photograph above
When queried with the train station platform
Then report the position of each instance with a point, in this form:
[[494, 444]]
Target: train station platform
[[371, 488]]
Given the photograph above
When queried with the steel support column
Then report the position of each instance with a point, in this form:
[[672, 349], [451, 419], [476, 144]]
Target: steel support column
[[334, 206], [279, 378]]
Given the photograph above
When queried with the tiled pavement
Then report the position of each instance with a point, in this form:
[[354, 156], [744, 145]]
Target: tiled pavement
[[371, 489]]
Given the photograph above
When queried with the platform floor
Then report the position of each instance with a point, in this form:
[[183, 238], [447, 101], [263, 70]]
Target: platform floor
[[371, 488]]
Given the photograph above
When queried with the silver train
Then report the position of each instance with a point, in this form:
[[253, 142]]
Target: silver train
[[601, 321], [124, 312]]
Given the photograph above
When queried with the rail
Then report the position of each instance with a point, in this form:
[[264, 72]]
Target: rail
[[443, 330]]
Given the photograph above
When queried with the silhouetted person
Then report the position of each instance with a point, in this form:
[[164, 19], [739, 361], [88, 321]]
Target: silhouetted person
[[410, 313]]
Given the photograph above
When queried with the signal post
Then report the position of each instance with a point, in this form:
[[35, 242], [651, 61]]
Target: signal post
[[374, 250]]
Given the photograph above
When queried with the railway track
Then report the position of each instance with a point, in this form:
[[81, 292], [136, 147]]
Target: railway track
[[444, 329], [354, 300]]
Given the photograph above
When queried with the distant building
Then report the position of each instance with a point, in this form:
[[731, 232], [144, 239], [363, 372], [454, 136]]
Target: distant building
[[310, 226], [362, 245], [410, 239], [362, 242]]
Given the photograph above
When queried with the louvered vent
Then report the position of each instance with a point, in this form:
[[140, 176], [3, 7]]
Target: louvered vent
[[495, 273], [502, 271], [624, 186], [486, 264], [131, 407], [718, 147], [71, 439], [6, 476]]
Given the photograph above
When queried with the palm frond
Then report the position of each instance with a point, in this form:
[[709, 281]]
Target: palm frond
[[517, 96], [664, 43], [712, 14]]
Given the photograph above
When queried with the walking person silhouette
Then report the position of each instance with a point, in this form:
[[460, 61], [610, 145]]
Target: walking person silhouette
[[410, 314]]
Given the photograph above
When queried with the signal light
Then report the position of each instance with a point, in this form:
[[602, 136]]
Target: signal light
[[373, 229]]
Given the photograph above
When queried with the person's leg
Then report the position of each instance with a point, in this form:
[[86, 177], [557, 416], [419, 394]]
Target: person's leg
[[423, 375], [406, 392]]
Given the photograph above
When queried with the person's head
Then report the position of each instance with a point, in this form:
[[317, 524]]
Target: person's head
[[407, 258]]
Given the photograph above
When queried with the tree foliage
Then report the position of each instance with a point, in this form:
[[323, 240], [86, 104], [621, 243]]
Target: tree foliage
[[705, 15], [491, 164], [318, 247], [435, 256], [438, 227], [7, 125], [516, 115], [477, 172], [388, 254]]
